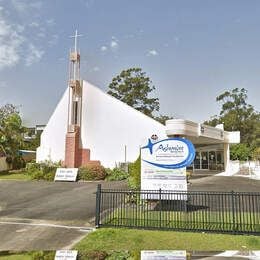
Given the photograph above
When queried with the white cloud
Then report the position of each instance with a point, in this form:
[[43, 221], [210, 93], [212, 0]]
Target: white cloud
[[36, 4], [114, 45], [34, 24], [103, 48], [152, 53], [88, 3], [50, 22], [15, 44], [41, 34], [176, 39], [10, 42], [34, 55], [23, 6], [54, 40]]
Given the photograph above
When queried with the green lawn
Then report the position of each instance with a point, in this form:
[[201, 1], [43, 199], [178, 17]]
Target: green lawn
[[193, 220], [30, 255], [16, 257], [109, 239], [14, 176]]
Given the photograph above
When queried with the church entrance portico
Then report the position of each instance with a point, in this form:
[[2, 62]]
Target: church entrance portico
[[211, 143]]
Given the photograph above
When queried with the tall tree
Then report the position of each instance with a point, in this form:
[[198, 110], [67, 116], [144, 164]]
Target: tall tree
[[11, 131], [6, 110], [162, 118], [238, 115], [133, 87]]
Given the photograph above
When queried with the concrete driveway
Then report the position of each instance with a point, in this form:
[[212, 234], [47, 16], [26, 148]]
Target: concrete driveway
[[50, 216], [223, 183], [46, 215]]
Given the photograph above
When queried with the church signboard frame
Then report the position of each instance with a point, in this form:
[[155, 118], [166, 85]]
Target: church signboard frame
[[163, 167]]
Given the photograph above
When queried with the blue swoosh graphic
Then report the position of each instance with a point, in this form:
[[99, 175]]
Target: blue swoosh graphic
[[182, 164]]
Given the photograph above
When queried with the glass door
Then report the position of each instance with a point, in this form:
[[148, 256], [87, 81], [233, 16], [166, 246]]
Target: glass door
[[212, 160], [196, 161], [204, 161]]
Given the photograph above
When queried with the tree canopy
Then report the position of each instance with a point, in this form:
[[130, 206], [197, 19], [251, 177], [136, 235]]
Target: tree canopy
[[11, 131], [238, 115], [133, 87]]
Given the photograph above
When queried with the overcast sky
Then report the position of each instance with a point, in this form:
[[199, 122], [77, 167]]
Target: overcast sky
[[191, 50]]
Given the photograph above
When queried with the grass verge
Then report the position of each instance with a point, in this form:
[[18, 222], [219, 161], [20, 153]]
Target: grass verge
[[109, 239], [16, 257], [14, 176]]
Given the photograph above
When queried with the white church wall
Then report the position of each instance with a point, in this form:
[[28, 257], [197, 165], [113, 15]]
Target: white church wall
[[108, 125], [53, 137]]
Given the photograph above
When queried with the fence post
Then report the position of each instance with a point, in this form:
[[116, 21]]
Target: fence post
[[98, 204], [160, 207], [233, 210]]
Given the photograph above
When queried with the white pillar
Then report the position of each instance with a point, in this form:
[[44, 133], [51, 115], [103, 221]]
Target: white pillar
[[226, 157]]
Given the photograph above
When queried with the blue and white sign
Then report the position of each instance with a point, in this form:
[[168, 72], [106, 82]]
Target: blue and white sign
[[163, 165], [172, 153]]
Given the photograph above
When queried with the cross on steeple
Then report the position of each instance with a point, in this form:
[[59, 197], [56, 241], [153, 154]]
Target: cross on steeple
[[76, 39]]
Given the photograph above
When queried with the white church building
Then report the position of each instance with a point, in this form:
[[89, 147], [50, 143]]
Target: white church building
[[110, 129], [89, 126]]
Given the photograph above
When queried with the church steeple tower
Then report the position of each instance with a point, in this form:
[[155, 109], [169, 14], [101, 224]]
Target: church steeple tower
[[75, 91], [75, 154], [73, 150]]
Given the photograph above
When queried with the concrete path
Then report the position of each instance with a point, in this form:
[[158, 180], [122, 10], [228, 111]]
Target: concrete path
[[46, 215]]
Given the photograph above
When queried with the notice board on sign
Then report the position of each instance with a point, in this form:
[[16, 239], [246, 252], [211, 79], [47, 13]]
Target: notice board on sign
[[163, 166]]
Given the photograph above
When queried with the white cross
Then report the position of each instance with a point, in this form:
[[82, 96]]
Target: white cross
[[76, 39]]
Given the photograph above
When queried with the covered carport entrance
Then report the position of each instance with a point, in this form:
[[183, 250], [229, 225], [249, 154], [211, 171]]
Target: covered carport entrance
[[211, 143]]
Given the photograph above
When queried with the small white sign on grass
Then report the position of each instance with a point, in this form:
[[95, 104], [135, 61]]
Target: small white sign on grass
[[66, 174], [66, 255], [164, 254]]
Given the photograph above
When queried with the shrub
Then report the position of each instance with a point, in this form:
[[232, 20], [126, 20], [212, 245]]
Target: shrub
[[18, 163], [240, 152], [119, 255], [116, 174], [42, 171], [92, 172], [256, 154], [134, 179], [42, 255], [93, 255], [9, 159]]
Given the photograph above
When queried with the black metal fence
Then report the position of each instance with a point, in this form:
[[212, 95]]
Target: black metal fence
[[225, 212]]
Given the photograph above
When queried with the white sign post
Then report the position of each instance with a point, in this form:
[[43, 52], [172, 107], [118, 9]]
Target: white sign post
[[163, 167], [66, 255], [66, 174]]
